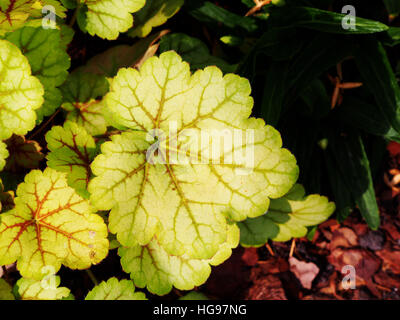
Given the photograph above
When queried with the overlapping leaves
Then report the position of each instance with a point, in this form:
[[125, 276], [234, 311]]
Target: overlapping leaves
[[20, 93], [81, 93], [72, 150], [182, 208], [107, 18], [45, 289], [288, 217], [45, 51], [49, 226]]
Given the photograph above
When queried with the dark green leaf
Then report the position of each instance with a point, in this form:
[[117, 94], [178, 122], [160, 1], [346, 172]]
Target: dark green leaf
[[325, 21], [353, 164], [378, 76]]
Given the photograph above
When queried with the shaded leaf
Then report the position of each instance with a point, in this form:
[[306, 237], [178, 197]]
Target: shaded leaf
[[154, 14], [24, 154]]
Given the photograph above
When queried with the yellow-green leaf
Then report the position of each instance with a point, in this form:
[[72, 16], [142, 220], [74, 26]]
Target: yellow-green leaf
[[107, 18], [288, 217], [112, 289], [152, 267], [45, 289], [5, 291], [49, 226], [185, 203], [20, 93]]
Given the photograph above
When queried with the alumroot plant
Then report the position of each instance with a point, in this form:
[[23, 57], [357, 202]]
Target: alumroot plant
[[161, 163]]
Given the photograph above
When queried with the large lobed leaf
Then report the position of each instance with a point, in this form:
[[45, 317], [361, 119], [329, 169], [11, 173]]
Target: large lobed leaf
[[49, 226], [182, 207]]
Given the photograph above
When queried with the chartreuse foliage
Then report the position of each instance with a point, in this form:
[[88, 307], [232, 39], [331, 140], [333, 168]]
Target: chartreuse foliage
[[287, 217], [152, 266], [45, 289], [154, 14], [20, 92], [112, 289], [175, 209], [131, 140], [49, 62], [17, 13], [49, 226], [107, 18], [3, 155]]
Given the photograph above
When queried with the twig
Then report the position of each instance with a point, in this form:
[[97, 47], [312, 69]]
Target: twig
[[270, 249], [292, 247]]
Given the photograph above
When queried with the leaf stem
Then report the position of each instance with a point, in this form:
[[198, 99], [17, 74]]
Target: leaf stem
[[44, 125], [75, 16], [92, 277]]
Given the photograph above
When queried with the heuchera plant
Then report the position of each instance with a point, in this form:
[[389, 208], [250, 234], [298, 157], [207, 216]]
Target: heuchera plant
[[122, 169]]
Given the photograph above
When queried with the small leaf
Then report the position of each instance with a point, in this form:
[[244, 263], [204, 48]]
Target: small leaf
[[112, 289], [45, 289], [15, 13], [193, 51], [108, 18], [81, 91], [24, 154], [49, 62], [292, 214], [5, 291], [325, 21], [20, 93], [49, 226], [72, 150], [154, 14]]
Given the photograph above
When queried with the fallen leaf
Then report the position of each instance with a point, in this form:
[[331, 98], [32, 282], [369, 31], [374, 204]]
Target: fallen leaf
[[250, 257], [364, 262], [343, 237], [267, 288], [390, 259], [373, 240], [304, 271], [393, 148]]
